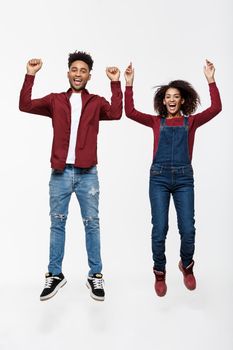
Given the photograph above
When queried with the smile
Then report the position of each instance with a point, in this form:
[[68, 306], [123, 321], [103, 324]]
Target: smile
[[77, 81]]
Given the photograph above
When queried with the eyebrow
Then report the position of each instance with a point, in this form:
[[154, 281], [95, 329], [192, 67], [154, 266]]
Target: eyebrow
[[75, 68], [177, 94]]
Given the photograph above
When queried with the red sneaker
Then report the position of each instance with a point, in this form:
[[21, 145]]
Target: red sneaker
[[160, 284], [189, 278]]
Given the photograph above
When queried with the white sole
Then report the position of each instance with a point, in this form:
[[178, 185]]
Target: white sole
[[49, 296]]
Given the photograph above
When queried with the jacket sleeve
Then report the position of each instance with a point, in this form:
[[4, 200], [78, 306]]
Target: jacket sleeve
[[132, 113], [213, 110], [113, 110], [40, 106]]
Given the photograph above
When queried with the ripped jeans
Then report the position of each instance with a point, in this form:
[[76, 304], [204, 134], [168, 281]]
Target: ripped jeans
[[85, 184]]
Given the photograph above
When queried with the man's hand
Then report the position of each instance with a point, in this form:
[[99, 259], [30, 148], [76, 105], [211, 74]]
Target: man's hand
[[129, 75], [113, 73], [33, 66], [209, 71]]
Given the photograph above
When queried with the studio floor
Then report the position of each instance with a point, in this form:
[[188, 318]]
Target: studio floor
[[131, 317]]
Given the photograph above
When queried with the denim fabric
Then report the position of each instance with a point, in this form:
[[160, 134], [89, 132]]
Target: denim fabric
[[171, 174], [84, 183]]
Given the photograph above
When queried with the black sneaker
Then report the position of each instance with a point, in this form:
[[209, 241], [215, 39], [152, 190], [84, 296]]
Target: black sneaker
[[96, 285], [52, 285]]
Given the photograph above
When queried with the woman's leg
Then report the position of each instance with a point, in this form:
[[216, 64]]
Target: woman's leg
[[159, 199], [183, 196]]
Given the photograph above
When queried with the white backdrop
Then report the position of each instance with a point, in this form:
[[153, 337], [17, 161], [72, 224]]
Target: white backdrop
[[165, 40]]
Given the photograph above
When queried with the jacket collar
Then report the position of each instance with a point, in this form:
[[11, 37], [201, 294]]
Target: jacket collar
[[83, 92], [84, 95]]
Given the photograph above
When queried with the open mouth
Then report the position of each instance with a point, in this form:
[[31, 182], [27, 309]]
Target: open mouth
[[172, 106], [77, 81]]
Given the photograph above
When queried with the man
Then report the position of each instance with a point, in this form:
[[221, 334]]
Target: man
[[75, 118]]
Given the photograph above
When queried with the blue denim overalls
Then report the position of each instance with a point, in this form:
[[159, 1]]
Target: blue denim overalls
[[171, 173]]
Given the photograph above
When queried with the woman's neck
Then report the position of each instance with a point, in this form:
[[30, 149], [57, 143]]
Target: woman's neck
[[177, 115]]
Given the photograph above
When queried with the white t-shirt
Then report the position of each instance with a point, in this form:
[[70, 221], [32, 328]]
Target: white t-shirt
[[76, 107]]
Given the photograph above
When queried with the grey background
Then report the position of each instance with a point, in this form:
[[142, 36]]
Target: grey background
[[165, 40]]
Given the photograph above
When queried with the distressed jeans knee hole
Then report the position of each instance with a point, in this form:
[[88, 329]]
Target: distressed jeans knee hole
[[60, 217]]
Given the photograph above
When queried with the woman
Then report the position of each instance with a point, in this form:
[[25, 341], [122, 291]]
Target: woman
[[171, 171]]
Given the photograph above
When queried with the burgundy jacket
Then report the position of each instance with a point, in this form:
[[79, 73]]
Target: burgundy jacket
[[57, 106]]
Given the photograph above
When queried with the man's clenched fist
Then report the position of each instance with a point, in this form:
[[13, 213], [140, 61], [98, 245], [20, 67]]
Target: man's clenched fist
[[33, 66], [113, 73]]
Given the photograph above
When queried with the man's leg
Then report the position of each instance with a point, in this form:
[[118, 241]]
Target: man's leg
[[87, 191], [60, 190], [60, 186]]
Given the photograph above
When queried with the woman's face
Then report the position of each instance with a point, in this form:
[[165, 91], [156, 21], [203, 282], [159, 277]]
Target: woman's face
[[173, 101]]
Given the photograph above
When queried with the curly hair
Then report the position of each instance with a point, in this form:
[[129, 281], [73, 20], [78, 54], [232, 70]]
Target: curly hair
[[80, 56], [187, 92]]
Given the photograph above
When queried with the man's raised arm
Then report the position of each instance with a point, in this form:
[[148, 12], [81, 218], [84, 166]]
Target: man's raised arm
[[40, 106]]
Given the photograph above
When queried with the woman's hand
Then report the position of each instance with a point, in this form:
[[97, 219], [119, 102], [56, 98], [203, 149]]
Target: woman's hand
[[129, 75], [209, 71]]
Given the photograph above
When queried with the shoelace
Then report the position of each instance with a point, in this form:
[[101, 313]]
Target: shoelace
[[49, 281], [98, 283]]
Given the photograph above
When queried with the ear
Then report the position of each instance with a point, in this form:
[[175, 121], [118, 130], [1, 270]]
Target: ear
[[182, 101], [164, 101], [89, 78]]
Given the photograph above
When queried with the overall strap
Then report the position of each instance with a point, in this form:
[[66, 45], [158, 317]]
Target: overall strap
[[162, 121], [186, 121]]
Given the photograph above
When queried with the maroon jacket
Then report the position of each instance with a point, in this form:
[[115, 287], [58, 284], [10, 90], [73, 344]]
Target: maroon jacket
[[57, 106]]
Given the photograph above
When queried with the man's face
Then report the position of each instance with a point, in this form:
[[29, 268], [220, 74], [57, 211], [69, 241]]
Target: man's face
[[78, 75], [173, 101]]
